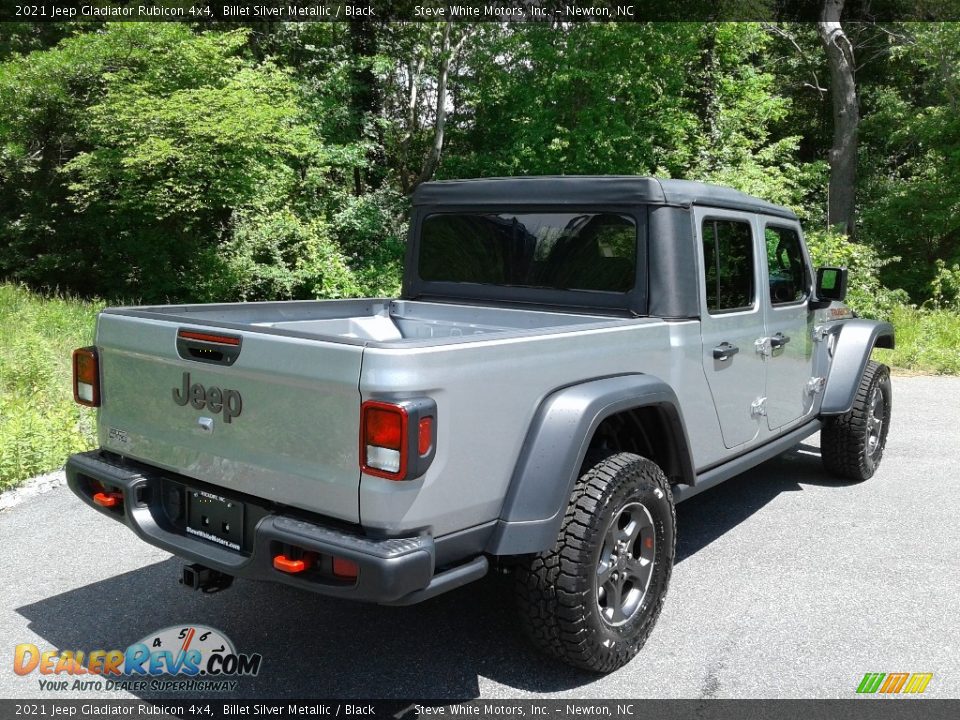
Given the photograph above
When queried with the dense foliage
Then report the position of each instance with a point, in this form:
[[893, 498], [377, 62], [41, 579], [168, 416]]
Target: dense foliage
[[40, 424], [158, 162], [164, 162]]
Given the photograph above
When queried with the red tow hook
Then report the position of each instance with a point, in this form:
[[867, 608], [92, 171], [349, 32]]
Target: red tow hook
[[287, 565], [108, 499]]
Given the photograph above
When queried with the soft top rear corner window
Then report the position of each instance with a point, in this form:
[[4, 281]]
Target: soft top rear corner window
[[557, 250]]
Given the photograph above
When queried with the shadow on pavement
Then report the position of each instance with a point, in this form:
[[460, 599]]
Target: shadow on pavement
[[705, 517], [319, 647], [314, 646]]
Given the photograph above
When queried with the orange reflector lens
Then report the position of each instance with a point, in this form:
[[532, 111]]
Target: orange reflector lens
[[344, 568], [425, 438]]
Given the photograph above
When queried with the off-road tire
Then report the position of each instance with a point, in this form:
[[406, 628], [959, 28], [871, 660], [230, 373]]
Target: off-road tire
[[557, 590], [852, 444]]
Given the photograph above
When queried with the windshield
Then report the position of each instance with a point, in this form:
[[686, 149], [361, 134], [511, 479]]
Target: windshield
[[557, 250]]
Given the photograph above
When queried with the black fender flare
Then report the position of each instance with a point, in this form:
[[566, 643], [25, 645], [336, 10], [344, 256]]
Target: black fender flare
[[852, 344], [556, 445]]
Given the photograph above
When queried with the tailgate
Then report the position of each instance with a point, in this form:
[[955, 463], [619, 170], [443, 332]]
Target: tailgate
[[294, 440]]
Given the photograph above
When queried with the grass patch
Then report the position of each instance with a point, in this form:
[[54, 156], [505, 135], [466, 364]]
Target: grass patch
[[928, 341], [40, 425]]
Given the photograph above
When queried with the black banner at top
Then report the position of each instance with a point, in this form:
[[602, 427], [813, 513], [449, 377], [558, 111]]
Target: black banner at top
[[556, 12], [480, 709]]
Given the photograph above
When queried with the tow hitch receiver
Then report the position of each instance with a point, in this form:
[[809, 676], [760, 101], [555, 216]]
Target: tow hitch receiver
[[198, 577]]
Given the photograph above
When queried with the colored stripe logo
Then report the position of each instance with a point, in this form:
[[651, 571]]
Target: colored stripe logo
[[894, 683]]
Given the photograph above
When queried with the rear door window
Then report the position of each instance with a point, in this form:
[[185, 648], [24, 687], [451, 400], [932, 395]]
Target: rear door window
[[728, 263]]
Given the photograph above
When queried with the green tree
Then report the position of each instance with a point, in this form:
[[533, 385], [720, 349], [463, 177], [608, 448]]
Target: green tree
[[159, 144], [911, 162], [678, 100], [591, 99]]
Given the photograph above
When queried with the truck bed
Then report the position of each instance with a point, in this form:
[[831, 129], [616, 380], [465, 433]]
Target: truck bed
[[382, 322], [296, 381]]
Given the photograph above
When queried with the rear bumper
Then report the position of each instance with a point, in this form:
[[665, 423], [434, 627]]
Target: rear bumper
[[392, 570]]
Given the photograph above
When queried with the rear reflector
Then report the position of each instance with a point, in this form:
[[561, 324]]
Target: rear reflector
[[344, 568], [425, 436], [285, 564], [86, 377], [107, 499]]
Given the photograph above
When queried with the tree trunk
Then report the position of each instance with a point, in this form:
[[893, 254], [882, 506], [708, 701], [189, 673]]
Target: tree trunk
[[365, 99], [448, 55], [432, 159], [414, 72], [846, 118]]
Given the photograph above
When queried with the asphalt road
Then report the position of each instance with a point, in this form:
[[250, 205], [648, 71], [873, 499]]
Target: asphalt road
[[787, 584]]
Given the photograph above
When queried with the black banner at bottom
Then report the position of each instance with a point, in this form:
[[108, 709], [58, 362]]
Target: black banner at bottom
[[853, 709]]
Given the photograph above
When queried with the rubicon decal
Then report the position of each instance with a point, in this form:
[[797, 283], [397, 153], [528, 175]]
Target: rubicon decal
[[212, 398], [189, 651]]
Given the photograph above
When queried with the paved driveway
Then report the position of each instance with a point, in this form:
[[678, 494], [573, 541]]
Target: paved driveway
[[787, 584]]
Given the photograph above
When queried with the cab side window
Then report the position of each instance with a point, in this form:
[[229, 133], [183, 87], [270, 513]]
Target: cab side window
[[729, 264], [789, 277]]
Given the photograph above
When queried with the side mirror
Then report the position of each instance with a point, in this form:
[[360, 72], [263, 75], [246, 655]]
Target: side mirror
[[831, 284]]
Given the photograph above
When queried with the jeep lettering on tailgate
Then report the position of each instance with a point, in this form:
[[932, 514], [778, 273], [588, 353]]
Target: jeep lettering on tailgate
[[212, 398]]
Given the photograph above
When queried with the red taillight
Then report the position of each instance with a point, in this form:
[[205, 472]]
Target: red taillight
[[398, 439], [86, 377], [383, 440], [384, 426]]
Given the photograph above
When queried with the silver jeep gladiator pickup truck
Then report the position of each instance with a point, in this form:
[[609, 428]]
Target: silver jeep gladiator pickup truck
[[569, 357]]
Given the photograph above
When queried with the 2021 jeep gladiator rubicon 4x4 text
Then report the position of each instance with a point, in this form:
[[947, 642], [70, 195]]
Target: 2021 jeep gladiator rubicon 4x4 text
[[570, 356]]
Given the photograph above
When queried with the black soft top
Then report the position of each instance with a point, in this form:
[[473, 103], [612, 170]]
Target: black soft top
[[590, 190]]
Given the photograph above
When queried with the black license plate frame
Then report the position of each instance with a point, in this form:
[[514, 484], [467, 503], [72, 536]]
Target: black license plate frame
[[215, 518]]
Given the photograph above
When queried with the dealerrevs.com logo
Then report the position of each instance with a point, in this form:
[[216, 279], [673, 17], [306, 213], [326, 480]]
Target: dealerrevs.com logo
[[178, 658]]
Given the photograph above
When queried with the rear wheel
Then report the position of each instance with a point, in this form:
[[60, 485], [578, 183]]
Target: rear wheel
[[593, 598], [852, 444]]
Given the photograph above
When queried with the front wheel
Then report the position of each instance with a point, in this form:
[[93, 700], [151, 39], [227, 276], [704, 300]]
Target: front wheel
[[852, 444], [592, 599]]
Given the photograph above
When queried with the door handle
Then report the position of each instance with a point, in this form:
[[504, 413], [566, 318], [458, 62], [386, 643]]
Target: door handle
[[725, 351], [779, 340]]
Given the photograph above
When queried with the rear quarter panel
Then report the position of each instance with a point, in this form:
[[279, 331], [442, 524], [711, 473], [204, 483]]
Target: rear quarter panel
[[487, 393]]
